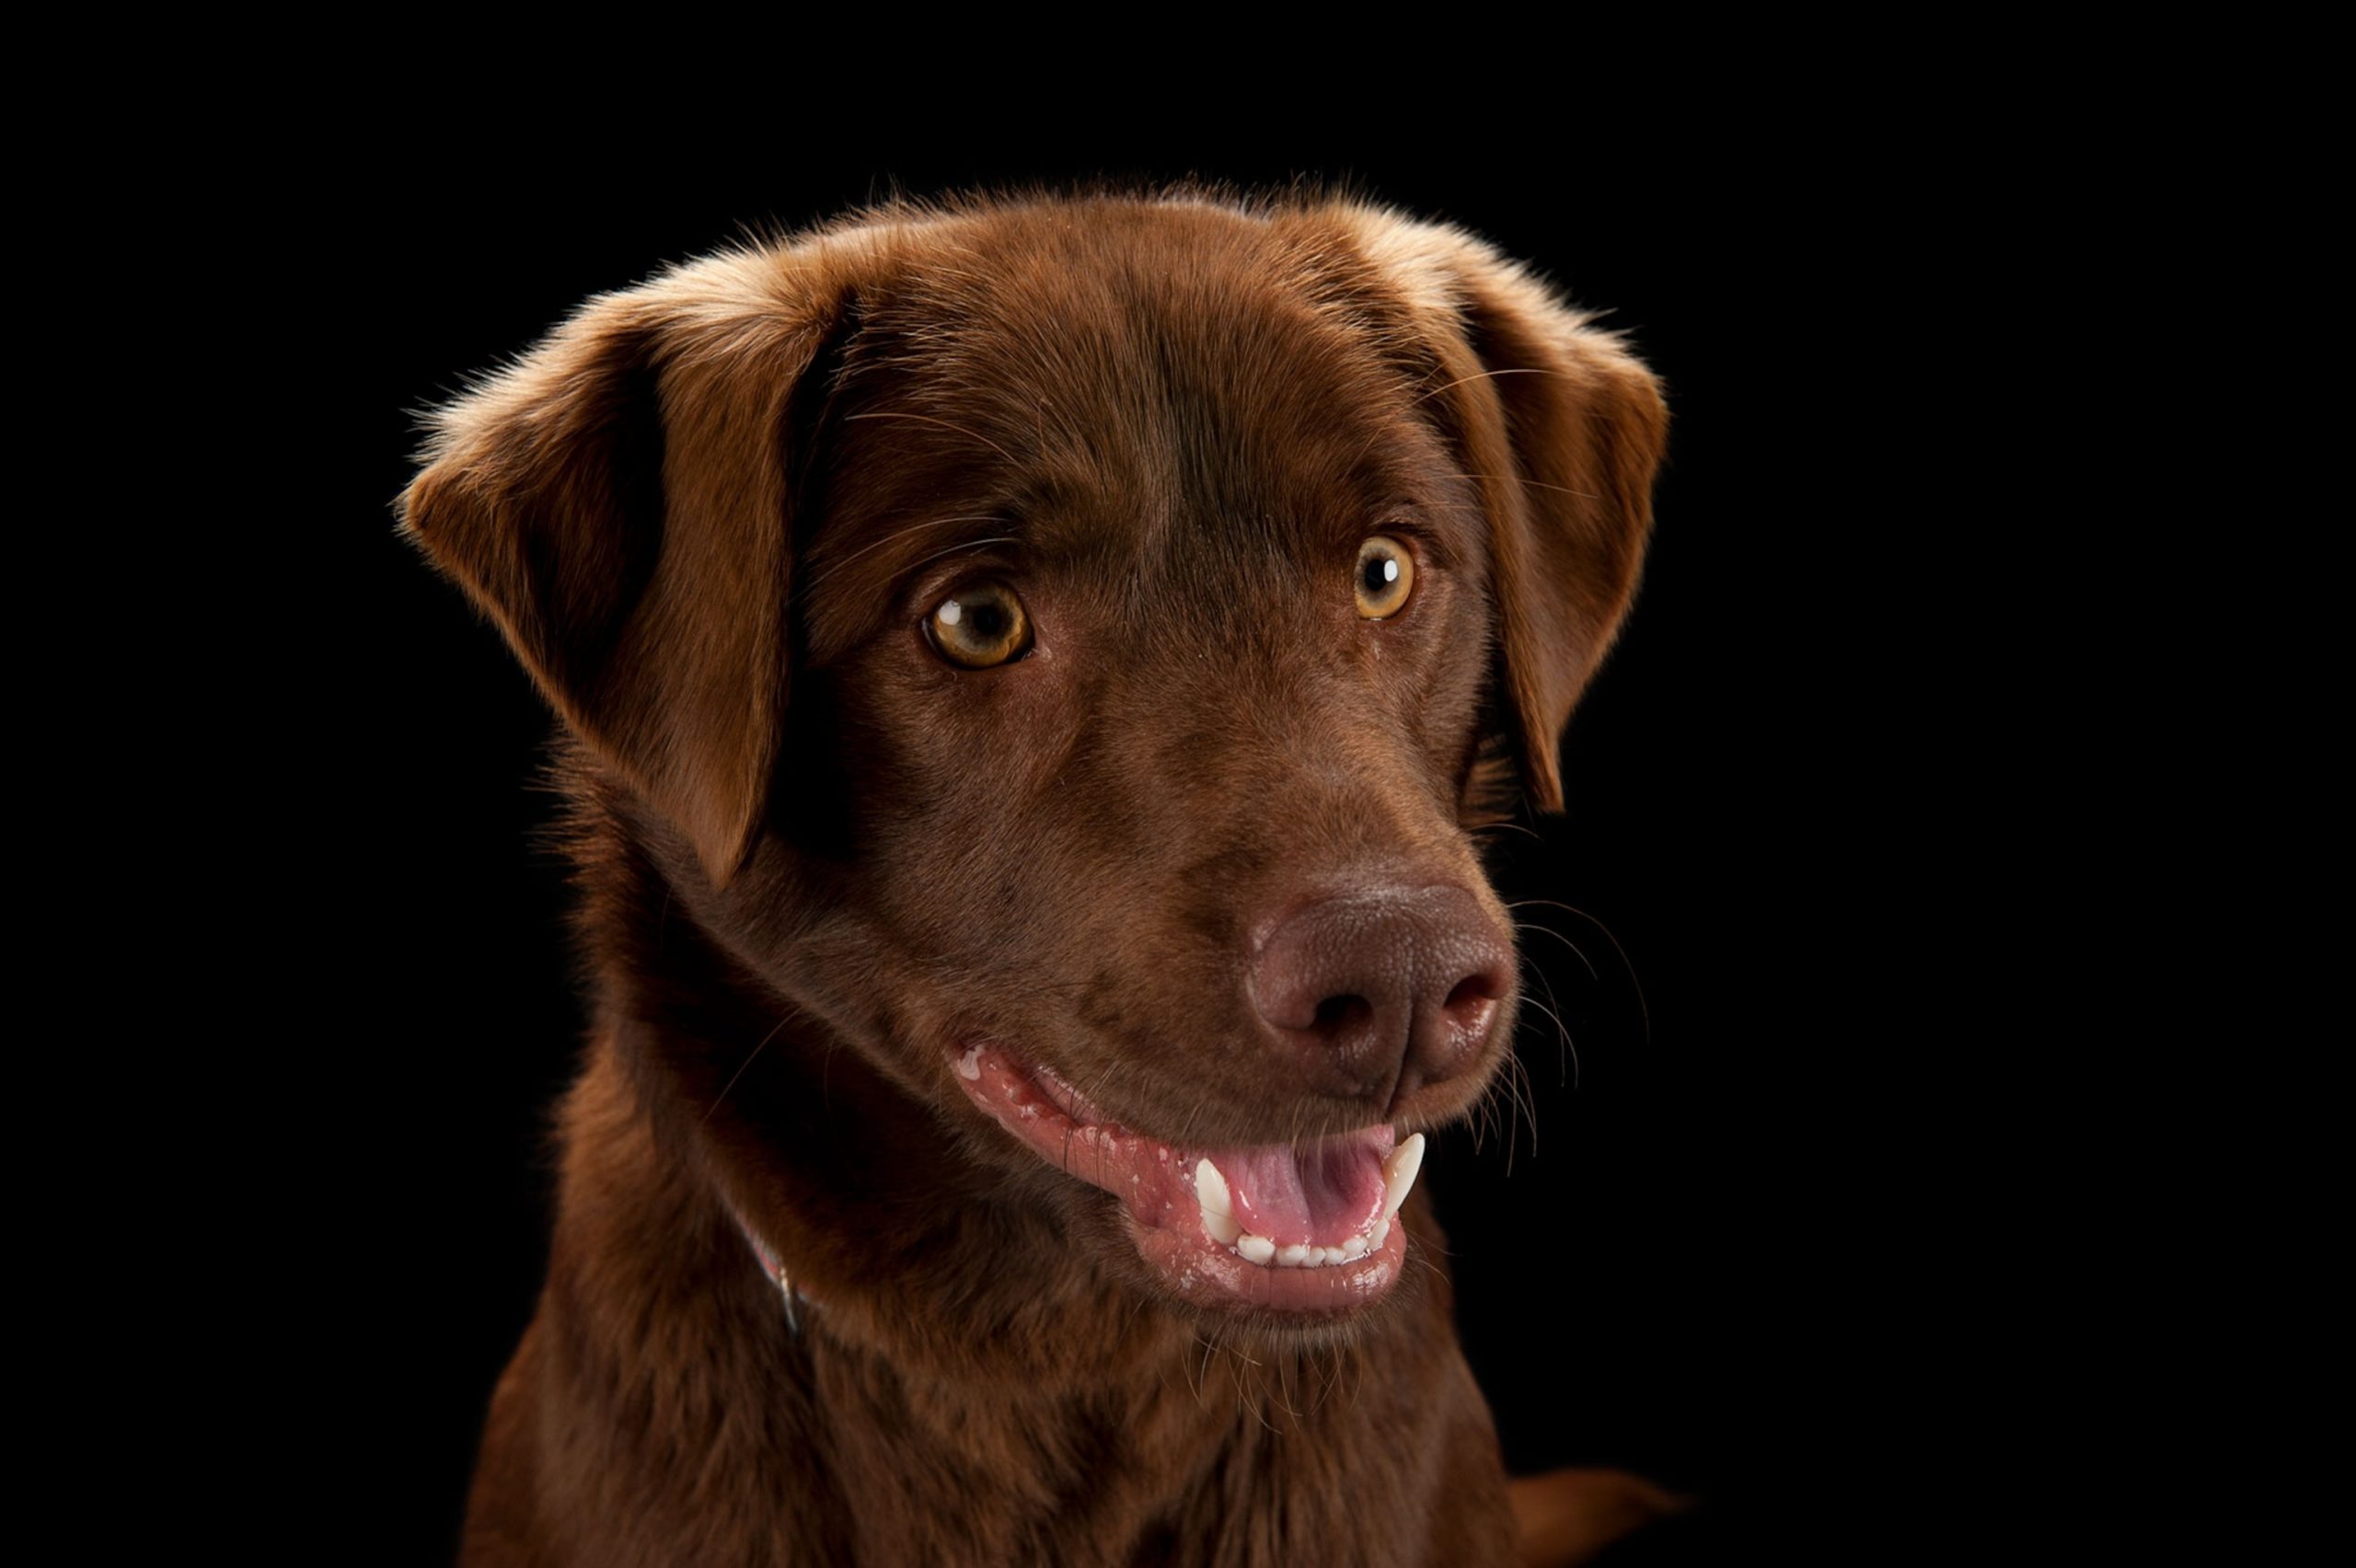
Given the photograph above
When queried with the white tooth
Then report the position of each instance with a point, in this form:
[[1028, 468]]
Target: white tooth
[[1292, 1256], [969, 1066], [1218, 1209], [1382, 1234], [1356, 1247], [1399, 1173], [1256, 1249], [1336, 1255]]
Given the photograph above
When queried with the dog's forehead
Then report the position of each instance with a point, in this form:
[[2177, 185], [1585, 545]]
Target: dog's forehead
[[1117, 391]]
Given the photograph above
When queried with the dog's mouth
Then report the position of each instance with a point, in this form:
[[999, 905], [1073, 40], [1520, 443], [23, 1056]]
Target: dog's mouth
[[1291, 1229]]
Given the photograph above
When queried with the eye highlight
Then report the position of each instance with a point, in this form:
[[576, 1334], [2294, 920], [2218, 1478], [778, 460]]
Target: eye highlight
[[1386, 576], [981, 626]]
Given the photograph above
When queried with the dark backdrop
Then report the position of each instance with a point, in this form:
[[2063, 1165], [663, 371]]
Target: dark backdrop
[[1678, 1269]]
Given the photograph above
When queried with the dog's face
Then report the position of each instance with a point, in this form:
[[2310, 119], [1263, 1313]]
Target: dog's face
[[1065, 649]]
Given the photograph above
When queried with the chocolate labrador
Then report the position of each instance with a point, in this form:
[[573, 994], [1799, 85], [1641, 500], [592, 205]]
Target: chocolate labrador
[[1033, 670]]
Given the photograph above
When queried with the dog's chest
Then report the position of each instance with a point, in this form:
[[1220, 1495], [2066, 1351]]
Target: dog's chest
[[1237, 1459]]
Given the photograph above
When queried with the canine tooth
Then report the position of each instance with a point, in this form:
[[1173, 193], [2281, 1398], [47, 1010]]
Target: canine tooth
[[1382, 1234], [1219, 1208], [1292, 1256], [1399, 1173], [969, 1066], [1258, 1249]]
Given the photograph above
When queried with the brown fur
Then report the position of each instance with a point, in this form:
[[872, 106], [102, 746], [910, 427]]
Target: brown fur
[[708, 514]]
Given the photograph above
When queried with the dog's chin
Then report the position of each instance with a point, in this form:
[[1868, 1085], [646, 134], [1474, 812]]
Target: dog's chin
[[1286, 1233]]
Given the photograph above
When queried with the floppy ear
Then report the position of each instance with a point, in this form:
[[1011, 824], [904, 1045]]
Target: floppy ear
[[615, 501], [1563, 428]]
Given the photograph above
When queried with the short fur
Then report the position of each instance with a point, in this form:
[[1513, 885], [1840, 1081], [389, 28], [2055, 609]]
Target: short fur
[[709, 513]]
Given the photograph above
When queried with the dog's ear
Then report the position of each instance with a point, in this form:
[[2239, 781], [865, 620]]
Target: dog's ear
[[1563, 428], [615, 501]]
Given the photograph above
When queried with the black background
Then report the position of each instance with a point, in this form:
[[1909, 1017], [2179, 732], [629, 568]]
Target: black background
[[1696, 1265]]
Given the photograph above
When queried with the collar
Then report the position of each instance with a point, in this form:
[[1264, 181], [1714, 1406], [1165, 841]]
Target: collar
[[773, 1266]]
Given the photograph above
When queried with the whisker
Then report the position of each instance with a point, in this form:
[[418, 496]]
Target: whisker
[[1253, 1397], [928, 419], [1549, 930], [1554, 1007], [967, 545], [832, 566], [1505, 825], [1633, 978], [1486, 375], [1193, 1381], [1534, 484], [1525, 1098], [1501, 1094], [746, 1064], [1569, 1044], [1483, 1110]]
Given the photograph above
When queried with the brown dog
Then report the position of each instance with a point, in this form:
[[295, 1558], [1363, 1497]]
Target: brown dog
[[1033, 667]]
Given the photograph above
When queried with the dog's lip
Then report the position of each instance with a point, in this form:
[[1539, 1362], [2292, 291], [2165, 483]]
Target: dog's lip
[[1348, 1219]]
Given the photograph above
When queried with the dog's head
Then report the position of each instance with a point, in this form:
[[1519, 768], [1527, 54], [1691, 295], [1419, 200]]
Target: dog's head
[[1058, 645]]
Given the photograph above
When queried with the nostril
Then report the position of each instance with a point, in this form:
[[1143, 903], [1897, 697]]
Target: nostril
[[1473, 1002], [1336, 1014], [1472, 989]]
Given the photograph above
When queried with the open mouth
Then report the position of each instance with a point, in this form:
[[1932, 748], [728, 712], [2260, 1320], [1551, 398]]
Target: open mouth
[[1289, 1227]]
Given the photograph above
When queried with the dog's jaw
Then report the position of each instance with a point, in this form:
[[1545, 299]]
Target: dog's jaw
[[1277, 1231]]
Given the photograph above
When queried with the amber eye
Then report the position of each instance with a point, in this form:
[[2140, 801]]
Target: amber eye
[[1386, 576], [979, 627]]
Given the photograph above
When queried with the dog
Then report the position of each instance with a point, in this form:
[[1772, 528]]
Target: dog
[[1033, 669]]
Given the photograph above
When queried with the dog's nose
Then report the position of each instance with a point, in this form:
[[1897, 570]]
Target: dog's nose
[[1387, 988]]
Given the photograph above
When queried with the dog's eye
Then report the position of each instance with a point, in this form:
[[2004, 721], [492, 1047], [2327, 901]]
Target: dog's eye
[[979, 627], [1386, 576]]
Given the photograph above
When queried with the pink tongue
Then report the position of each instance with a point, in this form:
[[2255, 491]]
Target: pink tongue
[[1325, 1194]]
